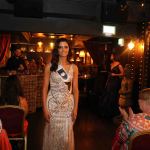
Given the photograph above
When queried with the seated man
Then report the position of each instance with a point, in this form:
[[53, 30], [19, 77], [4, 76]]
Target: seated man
[[133, 123], [16, 62]]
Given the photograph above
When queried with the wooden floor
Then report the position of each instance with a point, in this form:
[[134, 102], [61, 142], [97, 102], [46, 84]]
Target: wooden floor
[[91, 131]]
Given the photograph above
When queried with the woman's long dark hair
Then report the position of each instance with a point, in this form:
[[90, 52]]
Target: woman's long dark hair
[[12, 90], [55, 55], [116, 57]]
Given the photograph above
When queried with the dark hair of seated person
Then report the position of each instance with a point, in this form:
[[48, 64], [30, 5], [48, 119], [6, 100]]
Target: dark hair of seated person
[[13, 90]]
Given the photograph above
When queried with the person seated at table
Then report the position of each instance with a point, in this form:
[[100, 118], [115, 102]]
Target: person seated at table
[[133, 123], [13, 93], [33, 66], [40, 64], [16, 62]]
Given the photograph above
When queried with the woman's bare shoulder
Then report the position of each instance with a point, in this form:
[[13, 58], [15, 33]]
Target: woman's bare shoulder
[[75, 66]]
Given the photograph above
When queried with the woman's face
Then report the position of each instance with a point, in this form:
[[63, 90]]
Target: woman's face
[[63, 49], [112, 57]]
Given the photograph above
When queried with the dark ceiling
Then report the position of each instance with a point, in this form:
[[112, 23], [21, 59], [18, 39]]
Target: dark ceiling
[[73, 16]]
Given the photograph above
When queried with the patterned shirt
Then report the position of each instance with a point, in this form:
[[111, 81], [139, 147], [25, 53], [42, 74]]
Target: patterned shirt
[[138, 122]]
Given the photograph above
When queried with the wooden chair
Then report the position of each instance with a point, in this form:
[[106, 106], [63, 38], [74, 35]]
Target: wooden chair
[[13, 120], [140, 141]]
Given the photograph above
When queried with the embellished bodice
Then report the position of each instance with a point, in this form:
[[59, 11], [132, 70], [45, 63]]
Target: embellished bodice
[[60, 98], [61, 76], [115, 69]]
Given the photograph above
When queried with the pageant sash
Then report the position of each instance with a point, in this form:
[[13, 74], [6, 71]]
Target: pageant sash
[[64, 76]]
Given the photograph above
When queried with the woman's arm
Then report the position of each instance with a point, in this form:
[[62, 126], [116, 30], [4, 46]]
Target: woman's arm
[[45, 91], [75, 92], [23, 104]]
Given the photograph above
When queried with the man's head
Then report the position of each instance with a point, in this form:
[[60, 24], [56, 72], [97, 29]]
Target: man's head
[[16, 50], [144, 100]]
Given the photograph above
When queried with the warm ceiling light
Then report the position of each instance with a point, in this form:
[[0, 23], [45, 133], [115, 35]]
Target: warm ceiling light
[[51, 44], [63, 36], [131, 45], [71, 37], [40, 44], [40, 35], [52, 36]]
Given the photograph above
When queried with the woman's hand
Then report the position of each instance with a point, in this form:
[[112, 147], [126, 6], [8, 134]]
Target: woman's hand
[[47, 115], [113, 74], [74, 115], [124, 113]]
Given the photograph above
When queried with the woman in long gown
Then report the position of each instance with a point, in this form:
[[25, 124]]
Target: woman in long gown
[[60, 103], [111, 95]]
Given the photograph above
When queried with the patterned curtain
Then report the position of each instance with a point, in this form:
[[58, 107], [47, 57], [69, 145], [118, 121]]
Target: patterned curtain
[[4, 47]]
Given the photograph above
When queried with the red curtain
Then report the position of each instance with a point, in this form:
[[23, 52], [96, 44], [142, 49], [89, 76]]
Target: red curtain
[[4, 46]]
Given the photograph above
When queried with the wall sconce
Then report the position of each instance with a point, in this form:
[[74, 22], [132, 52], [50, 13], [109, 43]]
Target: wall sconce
[[82, 53], [141, 46], [131, 45]]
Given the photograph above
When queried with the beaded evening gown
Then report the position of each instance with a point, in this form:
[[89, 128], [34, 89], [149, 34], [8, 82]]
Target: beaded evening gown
[[58, 134]]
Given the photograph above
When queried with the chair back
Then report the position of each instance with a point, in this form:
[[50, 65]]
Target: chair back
[[12, 120], [140, 141]]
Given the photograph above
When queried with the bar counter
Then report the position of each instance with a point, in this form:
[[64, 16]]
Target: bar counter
[[32, 88]]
